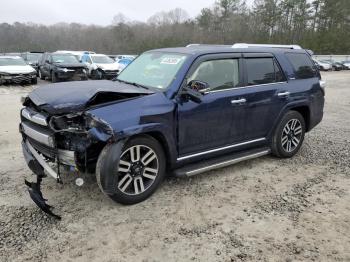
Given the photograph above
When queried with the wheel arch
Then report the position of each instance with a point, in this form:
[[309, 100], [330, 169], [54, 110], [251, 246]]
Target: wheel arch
[[305, 112], [301, 107], [162, 140]]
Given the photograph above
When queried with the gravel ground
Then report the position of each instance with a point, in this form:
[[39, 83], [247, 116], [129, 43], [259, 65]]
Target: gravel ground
[[265, 209]]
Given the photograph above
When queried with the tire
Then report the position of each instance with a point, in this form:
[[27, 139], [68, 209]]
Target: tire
[[96, 75], [34, 81], [41, 76], [140, 170], [54, 78], [289, 135]]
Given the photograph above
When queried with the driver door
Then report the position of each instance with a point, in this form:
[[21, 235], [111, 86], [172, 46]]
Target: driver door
[[207, 125]]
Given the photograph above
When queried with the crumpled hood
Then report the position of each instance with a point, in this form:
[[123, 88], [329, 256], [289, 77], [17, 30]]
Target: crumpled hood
[[114, 66], [25, 69], [69, 97]]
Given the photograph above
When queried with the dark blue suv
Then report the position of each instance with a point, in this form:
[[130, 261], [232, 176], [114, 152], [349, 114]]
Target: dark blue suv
[[177, 110]]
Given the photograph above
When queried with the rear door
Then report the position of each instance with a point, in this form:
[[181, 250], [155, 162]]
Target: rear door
[[265, 94]]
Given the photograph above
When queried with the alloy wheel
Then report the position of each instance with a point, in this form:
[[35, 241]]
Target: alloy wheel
[[138, 169], [291, 135]]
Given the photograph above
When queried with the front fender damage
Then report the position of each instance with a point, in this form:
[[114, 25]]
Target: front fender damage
[[87, 130]]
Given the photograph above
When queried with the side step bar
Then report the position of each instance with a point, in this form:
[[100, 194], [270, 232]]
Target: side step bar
[[201, 167]]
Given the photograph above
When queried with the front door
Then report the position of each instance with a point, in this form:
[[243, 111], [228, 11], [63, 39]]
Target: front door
[[207, 125]]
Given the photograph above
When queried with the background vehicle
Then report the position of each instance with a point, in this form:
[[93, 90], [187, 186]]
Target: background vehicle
[[100, 66], [346, 64], [124, 62], [335, 65], [13, 69], [59, 67], [77, 54], [119, 57], [186, 110], [32, 59], [323, 66]]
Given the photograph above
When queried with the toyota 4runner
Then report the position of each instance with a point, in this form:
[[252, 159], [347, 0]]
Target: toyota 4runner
[[180, 111]]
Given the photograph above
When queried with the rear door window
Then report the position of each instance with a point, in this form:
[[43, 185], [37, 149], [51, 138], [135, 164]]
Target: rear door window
[[303, 66], [263, 70]]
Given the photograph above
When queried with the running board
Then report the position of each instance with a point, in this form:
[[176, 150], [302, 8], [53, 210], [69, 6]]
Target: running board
[[219, 162]]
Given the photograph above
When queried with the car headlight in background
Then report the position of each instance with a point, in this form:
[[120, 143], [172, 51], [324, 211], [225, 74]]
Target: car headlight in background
[[84, 71]]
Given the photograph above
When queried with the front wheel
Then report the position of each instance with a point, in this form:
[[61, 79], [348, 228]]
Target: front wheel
[[138, 173], [289, 135], [54, 78]]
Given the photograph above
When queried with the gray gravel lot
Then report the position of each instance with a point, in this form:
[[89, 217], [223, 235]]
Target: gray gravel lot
[[265, 209]]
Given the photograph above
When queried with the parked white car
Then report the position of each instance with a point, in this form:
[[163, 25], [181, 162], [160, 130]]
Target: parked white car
[[101, 66], [13, 69], [323, 66], [346, 64]]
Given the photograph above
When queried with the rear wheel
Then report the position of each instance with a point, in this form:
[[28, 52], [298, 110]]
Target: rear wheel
[[289, 135], [141, 168]]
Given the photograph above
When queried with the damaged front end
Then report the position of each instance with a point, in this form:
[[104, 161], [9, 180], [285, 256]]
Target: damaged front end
[[53, 143]]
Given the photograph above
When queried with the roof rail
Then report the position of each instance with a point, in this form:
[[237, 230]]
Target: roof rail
[[244, 45], [189, 45], [207, 45]]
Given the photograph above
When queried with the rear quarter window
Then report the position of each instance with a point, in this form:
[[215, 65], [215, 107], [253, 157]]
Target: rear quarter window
[[303, 66]]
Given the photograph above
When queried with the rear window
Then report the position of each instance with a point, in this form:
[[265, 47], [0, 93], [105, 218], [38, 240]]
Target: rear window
[[303, 66], [263, 71]]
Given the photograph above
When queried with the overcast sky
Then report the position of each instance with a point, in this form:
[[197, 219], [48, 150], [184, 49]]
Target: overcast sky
[[98, 12]]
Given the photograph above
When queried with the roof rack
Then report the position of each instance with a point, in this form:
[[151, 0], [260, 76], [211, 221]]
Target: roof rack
[[207, 45], [244, 45]]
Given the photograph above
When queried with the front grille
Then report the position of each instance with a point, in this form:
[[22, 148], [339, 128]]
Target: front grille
[[77, 70], [19, 78], [111, 72], [44, 149]]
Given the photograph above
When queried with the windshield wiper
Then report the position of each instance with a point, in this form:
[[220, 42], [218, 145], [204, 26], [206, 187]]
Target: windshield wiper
[[131, 83]]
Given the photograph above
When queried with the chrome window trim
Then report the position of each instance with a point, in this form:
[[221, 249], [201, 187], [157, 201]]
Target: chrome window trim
[[241, 87], [221, 148]]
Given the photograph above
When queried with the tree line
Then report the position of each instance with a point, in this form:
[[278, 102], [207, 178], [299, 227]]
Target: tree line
[[320, 25]]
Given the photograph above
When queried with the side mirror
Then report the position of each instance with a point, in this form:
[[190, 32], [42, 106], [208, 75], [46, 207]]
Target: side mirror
[[47, 61], [198, 86]]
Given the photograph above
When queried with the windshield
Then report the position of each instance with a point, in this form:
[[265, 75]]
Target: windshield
[[64, 59], [12, 61], [102, 59], [153, 69], [34, 58]]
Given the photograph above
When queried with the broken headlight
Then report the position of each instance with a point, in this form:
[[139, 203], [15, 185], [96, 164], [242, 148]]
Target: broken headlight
[[70, 122]]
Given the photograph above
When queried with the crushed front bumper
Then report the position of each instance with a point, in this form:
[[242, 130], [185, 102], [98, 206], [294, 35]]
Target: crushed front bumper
[[17, 78], [39, 167]]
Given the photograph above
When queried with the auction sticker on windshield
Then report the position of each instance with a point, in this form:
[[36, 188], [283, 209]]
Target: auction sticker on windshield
[[170, 60]]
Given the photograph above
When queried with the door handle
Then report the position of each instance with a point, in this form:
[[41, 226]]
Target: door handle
[[283, 94], [238, 101]]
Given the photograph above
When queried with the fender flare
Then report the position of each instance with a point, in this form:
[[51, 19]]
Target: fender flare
[[285, 109]]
